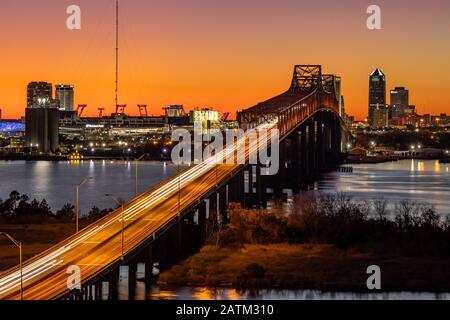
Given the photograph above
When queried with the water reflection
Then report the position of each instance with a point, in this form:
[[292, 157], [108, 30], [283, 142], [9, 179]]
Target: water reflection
[[415, 180], [153, 292], [56, 181]]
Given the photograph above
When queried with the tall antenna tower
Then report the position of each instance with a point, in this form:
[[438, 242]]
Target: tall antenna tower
[[117, 53]]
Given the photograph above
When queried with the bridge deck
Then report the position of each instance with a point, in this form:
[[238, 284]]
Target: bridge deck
[[98, 246], [277, 103]]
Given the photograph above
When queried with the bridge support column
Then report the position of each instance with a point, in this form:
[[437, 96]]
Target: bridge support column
[[90, 292], [148, 265], [238, 188], [132, 277], [281, 177], [98, 290], [335, 141], [312, 149], [304, 163], [113, 284], [248, 187], [320, 141], [202, 222]]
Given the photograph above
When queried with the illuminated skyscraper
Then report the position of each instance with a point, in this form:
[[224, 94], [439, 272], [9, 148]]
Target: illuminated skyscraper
[[64, 94], [38, 90], [377, 94], [399, 103]]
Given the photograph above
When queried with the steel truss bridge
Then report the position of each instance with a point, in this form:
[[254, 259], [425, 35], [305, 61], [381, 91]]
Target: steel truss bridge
[[172, 220]]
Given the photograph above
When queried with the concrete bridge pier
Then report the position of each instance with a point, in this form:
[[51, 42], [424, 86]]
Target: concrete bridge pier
[[321, 128], [132, 278], [99, 290], [262, 183], [312, 149], [90, 292], [113, 284], [202, 208], [248, 187], [148, 264], [222, 200]]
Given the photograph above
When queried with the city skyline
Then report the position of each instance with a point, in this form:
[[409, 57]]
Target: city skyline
[[187, 56]]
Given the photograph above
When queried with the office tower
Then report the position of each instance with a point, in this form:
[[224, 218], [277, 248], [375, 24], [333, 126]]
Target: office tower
[[38, 90], [377, 93], [380, 117], [64, 94], [399, 103], [42, 126]]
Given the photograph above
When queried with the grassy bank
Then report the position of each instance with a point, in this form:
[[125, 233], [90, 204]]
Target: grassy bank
[[326, 242], [297, 266], [35, 238]]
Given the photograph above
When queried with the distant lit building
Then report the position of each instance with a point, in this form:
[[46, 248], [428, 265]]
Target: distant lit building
[[42, 126], [174, 111], [208, 117], [377, 94], [38, 90], [64, 94], [399, 103], [408, 119], [380, 117]]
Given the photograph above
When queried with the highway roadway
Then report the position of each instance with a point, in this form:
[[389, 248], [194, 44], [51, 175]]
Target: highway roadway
[[99, 245]]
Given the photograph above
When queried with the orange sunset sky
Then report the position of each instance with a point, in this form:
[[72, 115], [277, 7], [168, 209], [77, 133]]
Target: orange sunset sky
[[223, 54]]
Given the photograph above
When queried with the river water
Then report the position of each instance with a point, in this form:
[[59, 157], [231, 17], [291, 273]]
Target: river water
[[56, 181], [415, 180]]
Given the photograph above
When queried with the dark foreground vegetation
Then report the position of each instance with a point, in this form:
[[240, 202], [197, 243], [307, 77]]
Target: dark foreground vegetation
[[326, 243], [406, 228], [19, 209]]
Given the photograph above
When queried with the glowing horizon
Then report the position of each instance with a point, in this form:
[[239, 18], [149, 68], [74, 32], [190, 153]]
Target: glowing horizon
[[226, 55]]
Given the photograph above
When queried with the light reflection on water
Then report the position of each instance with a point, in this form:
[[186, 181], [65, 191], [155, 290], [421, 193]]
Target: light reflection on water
[[56, 181], [154, 292], [415, 180]]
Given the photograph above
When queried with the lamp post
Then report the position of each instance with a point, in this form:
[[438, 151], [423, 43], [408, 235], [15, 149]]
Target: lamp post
[[120, 203], [179, 190], [19, 245], [77, 213], [137, 160]]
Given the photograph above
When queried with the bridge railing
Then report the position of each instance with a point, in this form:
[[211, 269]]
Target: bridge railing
[[291, 116]]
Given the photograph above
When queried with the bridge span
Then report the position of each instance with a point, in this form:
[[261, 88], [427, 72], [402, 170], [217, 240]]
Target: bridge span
[[173, 219]]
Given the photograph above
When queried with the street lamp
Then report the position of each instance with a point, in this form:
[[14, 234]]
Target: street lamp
[[137, 160], [77, 205], [19, 245], [179, 190], [120, 203]]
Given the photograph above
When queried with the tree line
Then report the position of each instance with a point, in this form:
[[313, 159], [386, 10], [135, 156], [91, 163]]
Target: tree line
[[18, 208], [406, 227]]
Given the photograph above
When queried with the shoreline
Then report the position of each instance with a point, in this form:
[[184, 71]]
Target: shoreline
[[306, 267], [64, 158]]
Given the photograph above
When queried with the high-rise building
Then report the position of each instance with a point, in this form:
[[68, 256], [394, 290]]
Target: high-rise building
[[64, 94], [42, 126], [377, 93], [380, 117], [38, 91], [399, 103]]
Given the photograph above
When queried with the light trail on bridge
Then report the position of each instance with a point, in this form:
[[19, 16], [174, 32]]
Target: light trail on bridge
[[99, 245]]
